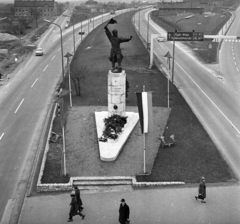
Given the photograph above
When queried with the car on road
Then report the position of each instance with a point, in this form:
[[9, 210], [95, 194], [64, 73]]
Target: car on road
[[82, 32], [39, 51], [112, 12], [160, 39]]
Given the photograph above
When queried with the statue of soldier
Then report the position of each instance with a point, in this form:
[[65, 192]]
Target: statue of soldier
[[116, 53]]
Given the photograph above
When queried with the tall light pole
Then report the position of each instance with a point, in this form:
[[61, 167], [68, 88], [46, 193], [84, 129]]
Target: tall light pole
[[73, 33], [61, 44], [173, 60], [68, 55], [139, 21], [148, 29]]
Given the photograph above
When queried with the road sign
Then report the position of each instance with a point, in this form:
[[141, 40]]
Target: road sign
[[185, 36]]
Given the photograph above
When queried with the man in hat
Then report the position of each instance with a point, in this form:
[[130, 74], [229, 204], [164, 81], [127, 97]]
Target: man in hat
[[116, 53], [124, 212], [79, 200], [74, 210]]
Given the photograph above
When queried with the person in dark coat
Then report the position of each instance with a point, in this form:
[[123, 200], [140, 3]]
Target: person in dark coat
[[202, 190], [79, 200], [124, 212], [116, 52], [74, 210]]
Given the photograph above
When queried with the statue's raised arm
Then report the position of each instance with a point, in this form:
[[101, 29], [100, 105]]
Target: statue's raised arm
[[115, 53]]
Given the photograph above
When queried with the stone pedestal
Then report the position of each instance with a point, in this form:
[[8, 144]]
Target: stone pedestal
[[110, 149], [116, 93]]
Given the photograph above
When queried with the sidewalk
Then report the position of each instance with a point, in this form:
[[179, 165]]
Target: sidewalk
[[147, 206]]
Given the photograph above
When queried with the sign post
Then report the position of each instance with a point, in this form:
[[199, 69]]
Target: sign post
[[185, 36]]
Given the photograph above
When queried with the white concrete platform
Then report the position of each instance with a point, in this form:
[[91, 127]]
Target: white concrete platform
[[110, 150]]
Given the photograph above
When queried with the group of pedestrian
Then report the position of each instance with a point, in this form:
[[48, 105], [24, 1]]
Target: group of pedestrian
[[124, 211], [76, 207]]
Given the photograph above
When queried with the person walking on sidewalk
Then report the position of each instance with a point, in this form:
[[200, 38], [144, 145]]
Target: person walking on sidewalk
[[124, 212], [74, 210], [79, 200], [202, 191]]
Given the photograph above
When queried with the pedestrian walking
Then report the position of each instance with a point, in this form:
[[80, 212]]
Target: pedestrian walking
[[202, 191], [124, 213], [74, 210], [79, 200]]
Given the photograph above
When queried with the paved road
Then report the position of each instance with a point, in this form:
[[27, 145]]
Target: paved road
[[24, 103], [210, 97]]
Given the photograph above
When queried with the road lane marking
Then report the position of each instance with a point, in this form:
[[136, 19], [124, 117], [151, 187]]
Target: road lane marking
[[34, 82], [53, 57], [45, 68], [237, 69], [235, 63], [210, 100], [233, 58], [59, 49], [1, 136], [70, 38], [19, 106], [64, 43]]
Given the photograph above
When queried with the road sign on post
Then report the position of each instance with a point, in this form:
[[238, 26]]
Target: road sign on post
[[185, 36]]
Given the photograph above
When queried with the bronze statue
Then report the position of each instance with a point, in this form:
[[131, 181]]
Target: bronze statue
[[116, 53]]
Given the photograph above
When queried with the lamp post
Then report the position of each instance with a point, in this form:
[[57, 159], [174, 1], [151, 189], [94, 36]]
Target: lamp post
[[61, 44], [173, 60], [73, 34], [68, 55], [148, 29], [139, 22]]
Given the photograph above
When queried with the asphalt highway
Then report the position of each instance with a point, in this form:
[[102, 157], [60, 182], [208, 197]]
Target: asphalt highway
[[24, 103], [212, 99]]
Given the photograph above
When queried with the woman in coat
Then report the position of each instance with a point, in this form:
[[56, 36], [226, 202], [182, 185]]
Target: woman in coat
[[202, 190], [123, 212]]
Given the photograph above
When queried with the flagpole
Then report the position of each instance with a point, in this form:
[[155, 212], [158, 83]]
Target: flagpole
[[168, 78], [144, 147]]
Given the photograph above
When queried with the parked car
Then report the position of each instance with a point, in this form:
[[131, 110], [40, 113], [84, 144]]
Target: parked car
[[39, 51], [82, 32], [112, 12]]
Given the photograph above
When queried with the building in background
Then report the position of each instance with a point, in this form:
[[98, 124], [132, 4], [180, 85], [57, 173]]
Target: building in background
[[45, 7]]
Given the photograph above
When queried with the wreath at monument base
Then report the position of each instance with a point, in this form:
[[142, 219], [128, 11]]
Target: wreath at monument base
[[113, 127]]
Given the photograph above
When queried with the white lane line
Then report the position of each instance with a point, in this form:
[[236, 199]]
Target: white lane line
[[19, 106], [70, 38], [233, 58], [235, 63], [34, 83], [237, 69], [59, 49], [1, 136], [210, 100], [64, 43], [45, 68], [53, 57]]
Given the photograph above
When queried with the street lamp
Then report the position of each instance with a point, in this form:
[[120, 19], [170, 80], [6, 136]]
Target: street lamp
[[68, 55], [48, 21], [73, 33], [173, 60]]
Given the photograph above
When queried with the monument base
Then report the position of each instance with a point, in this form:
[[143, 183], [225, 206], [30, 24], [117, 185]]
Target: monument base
[[110, 150]]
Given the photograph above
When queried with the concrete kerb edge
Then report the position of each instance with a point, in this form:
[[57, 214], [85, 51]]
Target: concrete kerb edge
[[46, 147], [56, 187]]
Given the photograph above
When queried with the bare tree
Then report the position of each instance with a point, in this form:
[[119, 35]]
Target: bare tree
[[36, 14], [77, 76]]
